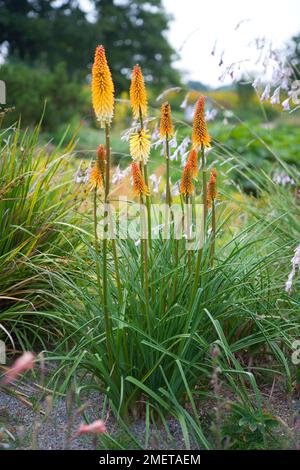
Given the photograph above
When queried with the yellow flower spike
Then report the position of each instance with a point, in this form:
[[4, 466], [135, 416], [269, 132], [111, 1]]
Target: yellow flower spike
[[102, 88], [139, 145], [138, 94], [193, 160], [212, 190], [166, 126], [139, 186], [186, 185], [200, 135]]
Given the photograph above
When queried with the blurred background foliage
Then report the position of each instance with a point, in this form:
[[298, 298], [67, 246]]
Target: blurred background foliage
[[47, 49]]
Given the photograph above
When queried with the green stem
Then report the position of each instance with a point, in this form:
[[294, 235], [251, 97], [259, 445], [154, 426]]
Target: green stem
[[113, 241], [144, 261], [168, 190], [116, 262], [204, 188], [176, 265], [200, 251], [213, 226], [97, 247], [148, 205], [145, 174], [2, 114], [105, 285], [146, 281], [188, 223]]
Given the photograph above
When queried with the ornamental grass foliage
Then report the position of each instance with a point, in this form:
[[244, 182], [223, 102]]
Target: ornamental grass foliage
[[156, 323], [143, 313]]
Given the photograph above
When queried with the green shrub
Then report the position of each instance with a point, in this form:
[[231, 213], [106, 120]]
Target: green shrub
[[28, 88]]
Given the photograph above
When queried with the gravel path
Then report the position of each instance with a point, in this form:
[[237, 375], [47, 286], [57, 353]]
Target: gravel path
[[44, 423], [52, 421]]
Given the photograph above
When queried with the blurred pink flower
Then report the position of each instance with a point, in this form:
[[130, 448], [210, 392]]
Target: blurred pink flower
[[96, 427], [23, 363]]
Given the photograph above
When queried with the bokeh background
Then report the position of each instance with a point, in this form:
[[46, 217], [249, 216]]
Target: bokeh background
[[230, 51]]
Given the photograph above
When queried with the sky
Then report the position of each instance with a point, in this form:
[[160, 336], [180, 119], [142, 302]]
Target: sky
[[199, 27]]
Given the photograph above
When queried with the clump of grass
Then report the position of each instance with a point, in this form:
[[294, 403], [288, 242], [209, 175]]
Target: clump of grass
[[36, 226], [142, 317], [174, 305]]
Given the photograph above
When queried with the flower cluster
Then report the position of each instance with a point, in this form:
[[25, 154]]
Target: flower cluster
[[200, 136], [102, 88], [139, 185], [212, 192]]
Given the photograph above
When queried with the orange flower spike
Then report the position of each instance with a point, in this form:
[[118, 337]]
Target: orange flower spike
[[101, 159], [96, 179], [193, 160], [212, 191], [139, 185], [138, 94], [98, 170], [186, 185], [102, 88], [166, 126], [200, 135]]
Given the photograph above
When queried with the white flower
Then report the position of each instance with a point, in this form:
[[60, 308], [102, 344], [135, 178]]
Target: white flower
[[126, 135], [173, 141], [189, 113], [266, 93], [275, 98], [78, 176], [256, 83], [295, 264], [207, 150], [286, 104], [181, 149], [283, 179], [175, 190], [184, 158], [155, 136], [87, 175], [185, 101], [155, 180], [118, 175], [211, 114]]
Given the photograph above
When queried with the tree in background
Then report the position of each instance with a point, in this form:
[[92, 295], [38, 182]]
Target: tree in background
[[45, 32], [134, 32], [294, 55]]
